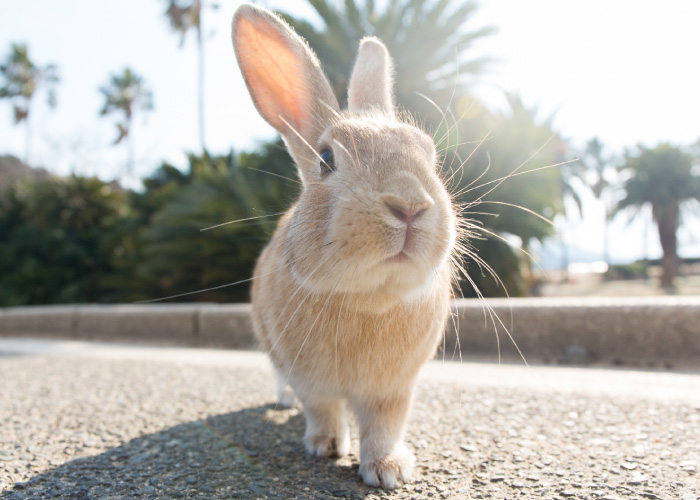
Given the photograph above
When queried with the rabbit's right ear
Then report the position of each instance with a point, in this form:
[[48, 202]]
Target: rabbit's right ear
[[284, 79], [371, 82]]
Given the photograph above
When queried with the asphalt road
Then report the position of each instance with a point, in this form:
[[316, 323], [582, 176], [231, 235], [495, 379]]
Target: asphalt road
[[101, 421]]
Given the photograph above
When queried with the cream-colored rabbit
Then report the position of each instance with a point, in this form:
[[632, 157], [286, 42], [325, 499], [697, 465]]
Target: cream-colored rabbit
[[351, 295]]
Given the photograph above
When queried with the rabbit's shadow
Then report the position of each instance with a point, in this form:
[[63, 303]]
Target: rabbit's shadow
[[250, 453]]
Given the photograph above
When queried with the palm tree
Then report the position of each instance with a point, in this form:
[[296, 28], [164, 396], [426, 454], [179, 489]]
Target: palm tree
[[597, 162], [125, 93], [428, 41], [662, 177], [22, 78], [183, 16]]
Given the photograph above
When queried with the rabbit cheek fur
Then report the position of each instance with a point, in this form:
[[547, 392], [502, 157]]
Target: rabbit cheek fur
[[352, 293]]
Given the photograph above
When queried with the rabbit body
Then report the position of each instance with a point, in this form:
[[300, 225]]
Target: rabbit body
[[351, 295]]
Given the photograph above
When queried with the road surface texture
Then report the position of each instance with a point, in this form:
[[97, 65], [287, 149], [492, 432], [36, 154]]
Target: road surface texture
[[99, 421]]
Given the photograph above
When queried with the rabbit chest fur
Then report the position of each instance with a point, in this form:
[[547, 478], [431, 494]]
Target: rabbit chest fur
[[336, 344]]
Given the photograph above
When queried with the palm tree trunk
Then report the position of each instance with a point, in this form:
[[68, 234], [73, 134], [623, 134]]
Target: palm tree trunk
[[667, 224]]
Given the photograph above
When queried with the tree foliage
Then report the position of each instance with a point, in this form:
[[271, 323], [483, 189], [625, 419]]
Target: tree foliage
[[429, 42], [55, 247], [22, 78], [514, 184], [125, 93], [82, 240], [597, 162], [184, 16], [506, 179], [179, 251]]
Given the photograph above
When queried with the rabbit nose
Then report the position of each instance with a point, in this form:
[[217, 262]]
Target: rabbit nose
[[406, 199], [403, 213]]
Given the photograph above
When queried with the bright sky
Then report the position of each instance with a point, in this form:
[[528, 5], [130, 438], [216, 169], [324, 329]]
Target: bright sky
[[623, 70]]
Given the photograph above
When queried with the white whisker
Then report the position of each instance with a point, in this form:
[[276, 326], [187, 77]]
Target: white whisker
[[212, 288], [241, 220], [297, 181], [514, 174]]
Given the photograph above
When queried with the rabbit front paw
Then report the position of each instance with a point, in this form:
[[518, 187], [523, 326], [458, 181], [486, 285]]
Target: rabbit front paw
[[324, 444], [388, 471], [327, 431]]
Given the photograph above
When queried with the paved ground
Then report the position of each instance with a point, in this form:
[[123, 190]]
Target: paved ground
[[97, 421]]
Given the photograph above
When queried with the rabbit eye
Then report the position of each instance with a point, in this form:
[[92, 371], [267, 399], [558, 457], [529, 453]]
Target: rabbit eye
[[327, 162]]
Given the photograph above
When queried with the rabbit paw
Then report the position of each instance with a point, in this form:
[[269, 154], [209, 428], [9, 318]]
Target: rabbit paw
[[326, 445], [390, 470]]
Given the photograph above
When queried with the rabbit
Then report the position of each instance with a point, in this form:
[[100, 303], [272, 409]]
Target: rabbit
[[351, 295]]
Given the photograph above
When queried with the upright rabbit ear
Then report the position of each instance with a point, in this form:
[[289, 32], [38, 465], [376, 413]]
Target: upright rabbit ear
[[284, 79], [371, 83]]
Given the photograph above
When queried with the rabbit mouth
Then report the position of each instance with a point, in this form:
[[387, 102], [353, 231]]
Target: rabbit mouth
[[406, 241], [407, 245]]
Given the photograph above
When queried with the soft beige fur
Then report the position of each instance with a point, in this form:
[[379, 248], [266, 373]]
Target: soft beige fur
[[351, 296]]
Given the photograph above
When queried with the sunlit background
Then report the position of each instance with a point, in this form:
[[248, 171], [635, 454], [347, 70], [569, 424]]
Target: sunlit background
[[555, 76]]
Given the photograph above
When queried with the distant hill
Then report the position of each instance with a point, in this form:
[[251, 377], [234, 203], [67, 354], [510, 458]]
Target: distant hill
[[12, 169]]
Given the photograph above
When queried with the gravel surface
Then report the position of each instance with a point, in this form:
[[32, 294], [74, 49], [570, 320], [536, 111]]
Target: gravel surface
[[167, 423]]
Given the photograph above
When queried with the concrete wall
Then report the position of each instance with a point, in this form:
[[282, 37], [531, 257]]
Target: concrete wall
[[644, 332], [216, 325], [637, 331]]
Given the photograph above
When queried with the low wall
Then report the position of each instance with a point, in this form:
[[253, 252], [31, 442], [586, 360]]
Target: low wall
[[225, 325], [660, 332]]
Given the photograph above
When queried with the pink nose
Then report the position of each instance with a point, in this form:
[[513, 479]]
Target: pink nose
[[407, 215]]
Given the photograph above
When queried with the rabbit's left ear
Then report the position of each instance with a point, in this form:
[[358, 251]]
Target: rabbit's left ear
[[285, 80], [371, 83]]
